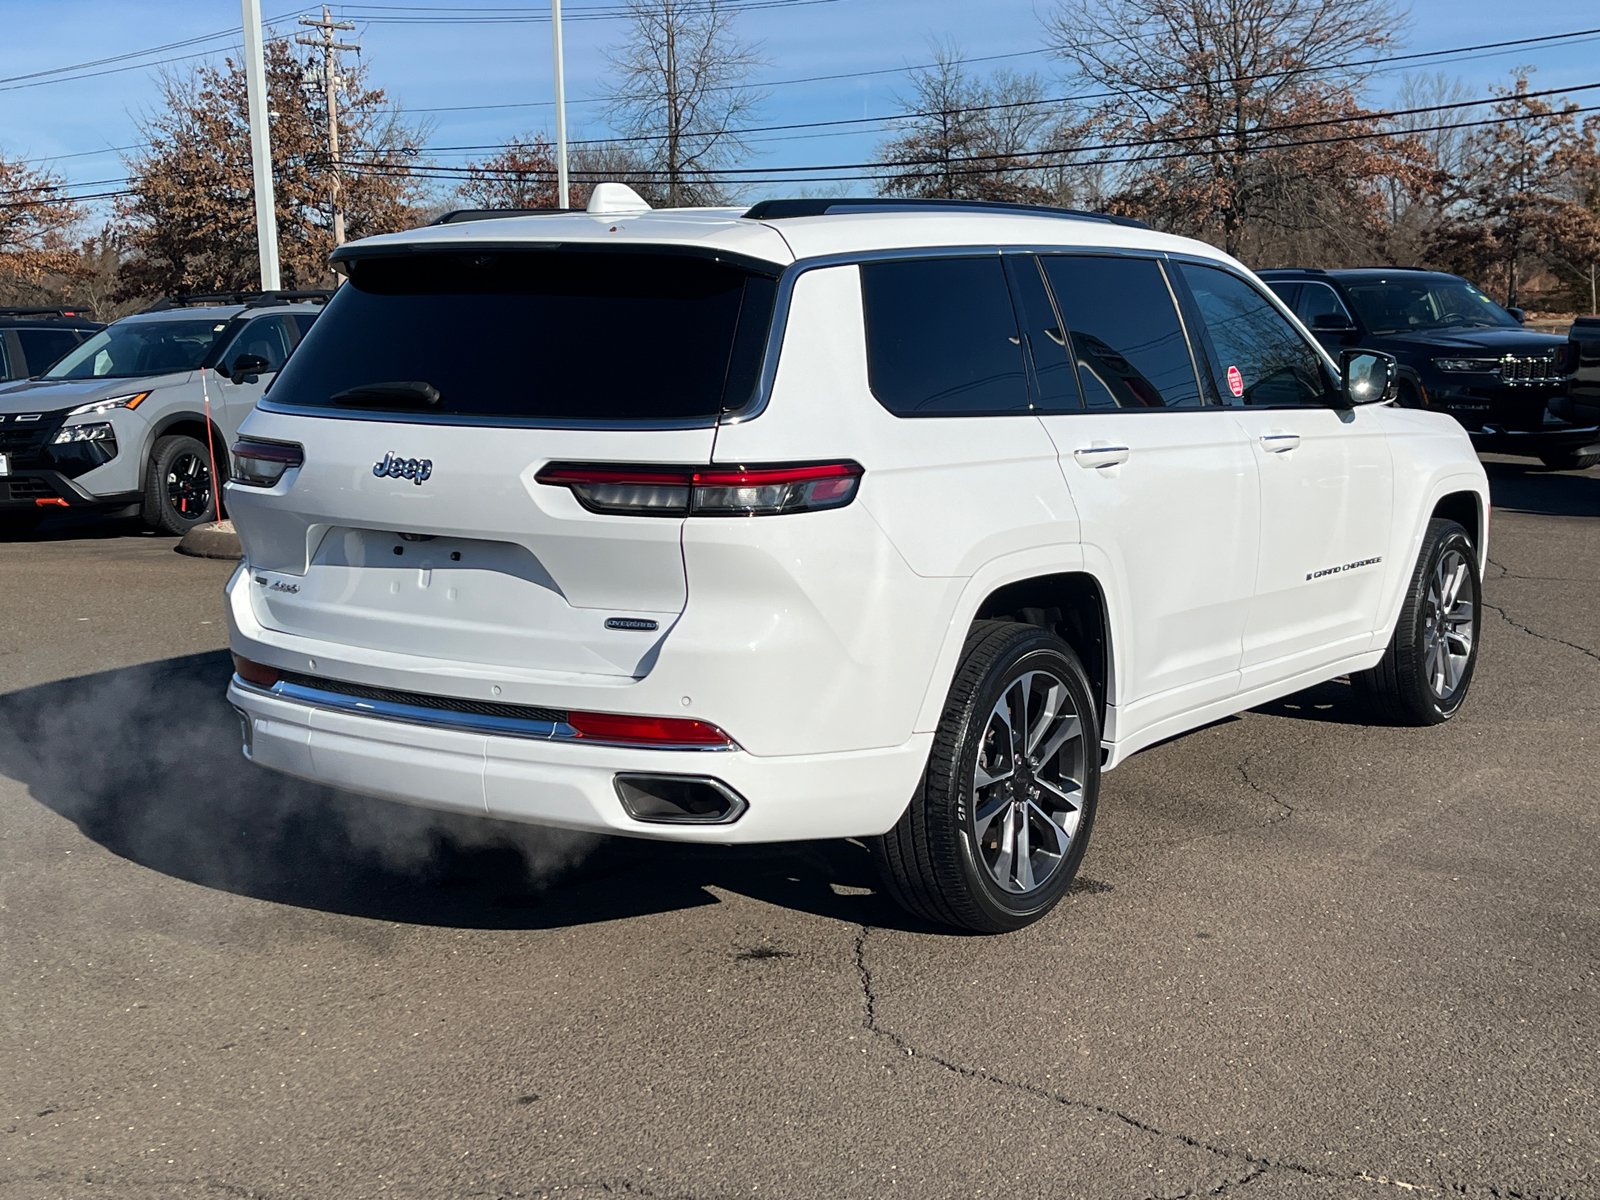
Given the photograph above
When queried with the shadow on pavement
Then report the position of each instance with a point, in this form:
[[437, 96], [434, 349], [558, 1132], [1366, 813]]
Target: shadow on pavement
[[1531, 487], [1335, 702], [146, 762], [76, 525]]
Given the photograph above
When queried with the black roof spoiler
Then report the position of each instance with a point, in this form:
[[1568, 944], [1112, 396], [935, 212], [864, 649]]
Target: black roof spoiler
[[248, 299], [459, 215], [778, 210]]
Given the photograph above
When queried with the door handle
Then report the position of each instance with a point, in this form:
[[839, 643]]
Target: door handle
[[1101, 456], [1279, 442]]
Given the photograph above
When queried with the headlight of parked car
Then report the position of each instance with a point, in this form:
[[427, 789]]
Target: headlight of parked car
[[99, 432], [132, 400], [1486, 366]]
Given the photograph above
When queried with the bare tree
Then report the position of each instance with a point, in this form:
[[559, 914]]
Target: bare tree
[[37, 259], [1238, 120], [682, 92], [963, 138], [522, 174]]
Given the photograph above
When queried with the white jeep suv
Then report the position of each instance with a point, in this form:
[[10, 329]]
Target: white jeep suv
[[891, 520]]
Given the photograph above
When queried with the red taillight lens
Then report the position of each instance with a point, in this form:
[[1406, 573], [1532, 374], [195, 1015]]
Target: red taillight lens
[[668, 491], [647, 731], [253, 672], [262, 464]]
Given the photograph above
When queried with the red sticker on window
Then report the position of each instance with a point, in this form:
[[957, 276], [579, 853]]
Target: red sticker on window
[[1235, 381]]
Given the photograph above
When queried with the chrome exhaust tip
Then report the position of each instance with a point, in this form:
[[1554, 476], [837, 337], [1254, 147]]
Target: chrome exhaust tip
[[679, 799]]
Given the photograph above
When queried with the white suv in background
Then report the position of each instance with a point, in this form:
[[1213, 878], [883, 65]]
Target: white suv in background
[[119, 424], [891, 520]]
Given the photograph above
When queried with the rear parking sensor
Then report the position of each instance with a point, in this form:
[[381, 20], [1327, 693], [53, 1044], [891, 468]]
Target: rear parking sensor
[[679, 799]]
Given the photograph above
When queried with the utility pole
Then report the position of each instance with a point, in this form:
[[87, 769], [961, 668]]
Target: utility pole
[[563, 198], [255, 80], [331, 80]]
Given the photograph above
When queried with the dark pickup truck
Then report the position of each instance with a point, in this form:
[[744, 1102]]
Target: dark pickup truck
[[1459, 352]]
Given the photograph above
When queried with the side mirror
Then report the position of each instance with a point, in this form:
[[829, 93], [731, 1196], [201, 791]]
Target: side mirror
[[1332, 323], [1521, 314], [1366, 376], [246, 365]]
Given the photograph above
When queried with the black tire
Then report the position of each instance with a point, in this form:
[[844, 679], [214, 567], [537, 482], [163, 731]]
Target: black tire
[[1569, 460], [178, 492], [19, 522], [1412, 684], [934, 863]]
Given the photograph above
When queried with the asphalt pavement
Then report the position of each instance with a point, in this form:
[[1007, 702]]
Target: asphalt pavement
[[1307, 957]]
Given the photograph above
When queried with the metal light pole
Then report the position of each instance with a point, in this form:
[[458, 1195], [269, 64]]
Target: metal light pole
[[562, 195], [255, 78]]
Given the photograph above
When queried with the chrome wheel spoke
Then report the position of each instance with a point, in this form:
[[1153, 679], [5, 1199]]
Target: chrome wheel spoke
[[1024, 854], [1066, 730], [1062, 826]]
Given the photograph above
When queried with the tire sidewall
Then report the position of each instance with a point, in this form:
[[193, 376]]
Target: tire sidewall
[[1038, 650], [158, 510], [1451, 537]]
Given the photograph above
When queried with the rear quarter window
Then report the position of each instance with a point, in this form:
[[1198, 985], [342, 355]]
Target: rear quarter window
[[942, 338], [542, 335]]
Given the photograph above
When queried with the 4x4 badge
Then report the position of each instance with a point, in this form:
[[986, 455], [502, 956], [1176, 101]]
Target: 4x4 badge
[[395, 467]]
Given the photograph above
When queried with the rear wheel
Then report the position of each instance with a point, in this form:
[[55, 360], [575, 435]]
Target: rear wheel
[[179, 491], [1425, 673], [1569, 460], [1001, 819]]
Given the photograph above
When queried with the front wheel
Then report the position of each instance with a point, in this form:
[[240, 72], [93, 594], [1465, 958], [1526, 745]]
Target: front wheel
[[1001, 819], [179, 491], [1426, 671]]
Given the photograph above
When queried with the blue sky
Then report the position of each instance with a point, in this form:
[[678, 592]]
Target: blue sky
[[431, 66]]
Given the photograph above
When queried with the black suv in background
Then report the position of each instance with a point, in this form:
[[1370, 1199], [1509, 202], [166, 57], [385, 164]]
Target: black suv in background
[[31, 339], [1459, 352]]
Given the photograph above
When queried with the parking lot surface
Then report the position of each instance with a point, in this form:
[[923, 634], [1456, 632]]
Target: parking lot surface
[[1307, 957]]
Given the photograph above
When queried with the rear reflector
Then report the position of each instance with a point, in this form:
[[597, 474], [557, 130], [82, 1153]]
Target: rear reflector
[[253, 672], [673, 491], [647, 731], [679, 799], [262, 464]]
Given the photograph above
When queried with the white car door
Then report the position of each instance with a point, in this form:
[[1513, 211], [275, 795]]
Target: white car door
[[1165, 484], [1327, 482]]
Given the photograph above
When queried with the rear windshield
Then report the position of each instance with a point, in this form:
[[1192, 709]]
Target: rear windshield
[[554, 335]]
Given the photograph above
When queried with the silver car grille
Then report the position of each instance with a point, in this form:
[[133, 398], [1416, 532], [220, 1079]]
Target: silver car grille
[[1517, 369]]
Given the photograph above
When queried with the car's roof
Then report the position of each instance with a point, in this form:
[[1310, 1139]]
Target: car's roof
[[1309, 274], [785, 240], [215, 312]]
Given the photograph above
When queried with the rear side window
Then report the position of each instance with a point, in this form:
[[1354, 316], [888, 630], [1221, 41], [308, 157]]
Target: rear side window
[[542, 334], [41, 347], [942, 339], [1261, 357], [1125, 331]]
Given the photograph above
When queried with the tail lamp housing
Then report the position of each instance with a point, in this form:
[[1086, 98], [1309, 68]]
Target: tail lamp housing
[[682, 491], [262, 464]]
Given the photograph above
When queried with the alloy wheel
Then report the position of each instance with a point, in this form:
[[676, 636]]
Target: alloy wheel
[[1449, 623], [1027, 787], [189, 486]]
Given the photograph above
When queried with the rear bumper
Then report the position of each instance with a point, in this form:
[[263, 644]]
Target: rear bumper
[[793, 798]]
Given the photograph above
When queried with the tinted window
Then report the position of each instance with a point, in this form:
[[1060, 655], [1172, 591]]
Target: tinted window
[[1258, 355], [942, 339], [41, 347], [540, 334], [1043, 337], [1125, 332], [270, 338], [1320, 300], [1425, 302], [5, 360], [1287, 292], [140, 347]]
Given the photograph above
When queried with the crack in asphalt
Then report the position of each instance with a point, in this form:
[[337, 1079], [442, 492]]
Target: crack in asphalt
[[1258, 1164], [1244, 773], [1506, 573], [1544, 637]]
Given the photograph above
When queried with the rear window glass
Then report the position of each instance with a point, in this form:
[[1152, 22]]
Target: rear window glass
[[552, 335], [942, 338]]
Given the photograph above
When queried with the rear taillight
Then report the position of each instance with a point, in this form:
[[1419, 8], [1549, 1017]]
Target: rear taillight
[[667, 491], [262, 464], [647, 731], [253, 672]]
